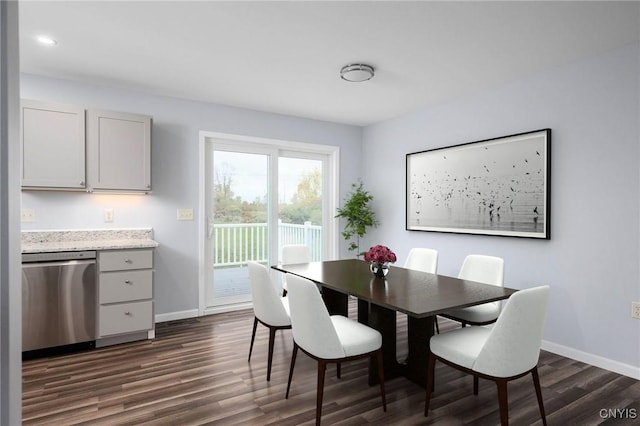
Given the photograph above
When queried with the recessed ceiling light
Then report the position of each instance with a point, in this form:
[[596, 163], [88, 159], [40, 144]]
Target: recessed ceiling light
[[356, 72], [46, 40]]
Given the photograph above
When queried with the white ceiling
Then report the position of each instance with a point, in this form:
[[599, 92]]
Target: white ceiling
[[285, 57]]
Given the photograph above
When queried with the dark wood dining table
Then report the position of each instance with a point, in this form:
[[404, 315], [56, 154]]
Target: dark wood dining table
[[418, 294]]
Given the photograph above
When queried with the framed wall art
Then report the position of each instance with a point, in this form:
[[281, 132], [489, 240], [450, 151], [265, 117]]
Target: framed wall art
[[496, 186]]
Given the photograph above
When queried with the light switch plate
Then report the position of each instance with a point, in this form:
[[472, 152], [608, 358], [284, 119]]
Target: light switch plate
[[635, 310], [185, 214], [28, 215]]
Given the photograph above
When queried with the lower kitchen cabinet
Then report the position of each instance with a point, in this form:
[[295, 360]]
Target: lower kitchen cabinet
[[125, 318], [125, 292]]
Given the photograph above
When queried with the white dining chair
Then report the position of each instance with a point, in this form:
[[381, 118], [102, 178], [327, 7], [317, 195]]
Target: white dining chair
[[482, 269], [507, 351], [422, 259], [328, 339], [269, 308], [292, 254], [425, 260]]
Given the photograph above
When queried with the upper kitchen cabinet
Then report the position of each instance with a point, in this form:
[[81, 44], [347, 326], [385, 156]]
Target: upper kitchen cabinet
[[118, 151], [53, 146]]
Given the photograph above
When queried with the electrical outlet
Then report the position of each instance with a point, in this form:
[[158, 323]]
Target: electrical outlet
[[28, 215], [108, 215], [635, 310], [185, 214]]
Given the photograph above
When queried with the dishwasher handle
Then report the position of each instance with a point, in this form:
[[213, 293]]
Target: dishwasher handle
[[58, 263]]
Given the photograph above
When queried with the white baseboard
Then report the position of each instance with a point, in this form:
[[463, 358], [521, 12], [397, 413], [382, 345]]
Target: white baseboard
[[595, 360], [174, 316], [228, 308], [193, 313]]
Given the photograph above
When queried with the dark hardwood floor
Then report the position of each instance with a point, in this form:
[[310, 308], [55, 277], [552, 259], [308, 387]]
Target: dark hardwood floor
[[196, 372]]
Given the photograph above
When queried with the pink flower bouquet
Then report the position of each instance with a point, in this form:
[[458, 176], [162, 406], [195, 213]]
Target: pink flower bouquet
[[380, 254]]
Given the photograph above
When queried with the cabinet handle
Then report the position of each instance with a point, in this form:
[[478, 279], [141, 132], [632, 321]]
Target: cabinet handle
[[127, 313], [127, 282], [81, 183], [128, 261]]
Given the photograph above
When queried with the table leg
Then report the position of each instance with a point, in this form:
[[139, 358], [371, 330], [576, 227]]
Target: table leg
[[383, 320], [420, 331], [336, 302], [363, 311]]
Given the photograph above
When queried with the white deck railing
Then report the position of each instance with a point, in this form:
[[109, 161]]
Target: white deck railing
[[235, 244]]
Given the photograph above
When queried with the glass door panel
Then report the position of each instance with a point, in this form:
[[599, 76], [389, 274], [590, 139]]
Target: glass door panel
[[240, 222], [300, 204]]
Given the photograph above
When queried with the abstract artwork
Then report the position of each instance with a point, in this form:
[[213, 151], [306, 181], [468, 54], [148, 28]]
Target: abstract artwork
[[492, 187]]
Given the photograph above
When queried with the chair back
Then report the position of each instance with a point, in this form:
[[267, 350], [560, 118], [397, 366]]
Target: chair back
[[267, 305], [483, 269], [513, 346], [311, 324], [422, 259], [295, 253]]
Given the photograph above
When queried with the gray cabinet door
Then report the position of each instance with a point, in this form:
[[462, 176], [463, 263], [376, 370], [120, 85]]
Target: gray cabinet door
[[118, 151], [53, 149]]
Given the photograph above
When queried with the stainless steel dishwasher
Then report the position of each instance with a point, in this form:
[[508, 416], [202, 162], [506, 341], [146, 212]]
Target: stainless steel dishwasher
[[58, 300]]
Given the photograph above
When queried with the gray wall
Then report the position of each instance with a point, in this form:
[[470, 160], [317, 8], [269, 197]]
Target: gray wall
[[175, 142], [591, 261]]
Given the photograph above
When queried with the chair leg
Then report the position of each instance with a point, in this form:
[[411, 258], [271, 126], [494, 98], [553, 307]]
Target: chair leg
[[253, 336], [339, 370], [431, 370], [293, 363], [272, 338], [503, 401], [381, 379], [536, 383], [322, 367], [435, 323], [475, 385]]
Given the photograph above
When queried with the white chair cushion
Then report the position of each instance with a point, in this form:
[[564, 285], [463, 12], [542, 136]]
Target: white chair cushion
[[311, 324], [292, 254], [478, 313], [285, 303], [460, 346], [296, 253], [514, 344], [422, 259], [483, 269], [266, 301], [356, 338]]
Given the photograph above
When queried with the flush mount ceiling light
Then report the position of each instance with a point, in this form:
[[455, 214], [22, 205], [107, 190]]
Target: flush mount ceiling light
[[46, 40], [356, 72]]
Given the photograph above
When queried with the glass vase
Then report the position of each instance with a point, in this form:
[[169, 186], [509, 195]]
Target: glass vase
[[380, 270]]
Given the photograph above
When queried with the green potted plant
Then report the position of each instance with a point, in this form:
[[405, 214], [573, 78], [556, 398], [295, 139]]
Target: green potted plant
[[358, 215]]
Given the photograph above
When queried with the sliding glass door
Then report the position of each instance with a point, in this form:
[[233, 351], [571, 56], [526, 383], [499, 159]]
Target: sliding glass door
[[258, 198]]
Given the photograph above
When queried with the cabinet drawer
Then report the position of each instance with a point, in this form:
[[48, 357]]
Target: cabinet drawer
[[125, 286], [121, 260], [125, 318]]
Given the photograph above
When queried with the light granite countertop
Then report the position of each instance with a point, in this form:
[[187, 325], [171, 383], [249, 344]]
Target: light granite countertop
[[78, 240]]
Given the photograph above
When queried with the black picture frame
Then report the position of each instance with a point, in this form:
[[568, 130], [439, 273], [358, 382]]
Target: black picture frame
[[498, 186]]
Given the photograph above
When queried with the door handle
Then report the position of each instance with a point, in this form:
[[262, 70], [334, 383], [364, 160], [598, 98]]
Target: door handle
[[210, 227]]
